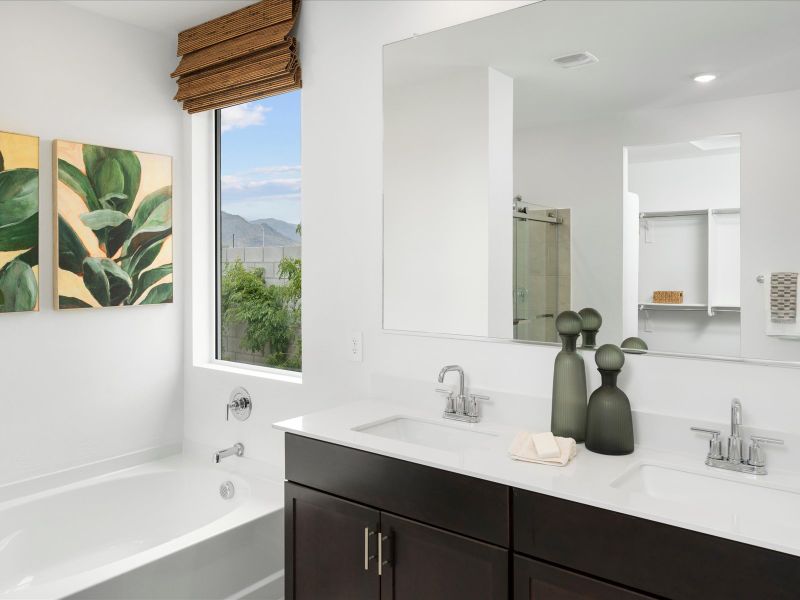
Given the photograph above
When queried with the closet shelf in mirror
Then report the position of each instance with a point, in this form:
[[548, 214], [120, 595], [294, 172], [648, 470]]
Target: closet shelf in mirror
[[665, 306], [689, 307]]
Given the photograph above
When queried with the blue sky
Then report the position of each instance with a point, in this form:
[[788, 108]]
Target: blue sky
[[261, 158]]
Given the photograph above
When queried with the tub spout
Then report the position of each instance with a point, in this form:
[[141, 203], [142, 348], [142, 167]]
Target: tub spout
[[237, 449]]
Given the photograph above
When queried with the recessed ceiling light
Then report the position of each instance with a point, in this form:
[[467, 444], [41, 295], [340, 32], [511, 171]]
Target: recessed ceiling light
[[705, 78]]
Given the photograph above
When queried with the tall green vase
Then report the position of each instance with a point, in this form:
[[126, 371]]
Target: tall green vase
[[568, 416], [609, 424]]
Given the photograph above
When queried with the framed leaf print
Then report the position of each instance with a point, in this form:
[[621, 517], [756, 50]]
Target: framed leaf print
[[113, 226], [19, 222]]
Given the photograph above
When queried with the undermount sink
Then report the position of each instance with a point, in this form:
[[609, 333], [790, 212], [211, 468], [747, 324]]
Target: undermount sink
[[429, 434], [739, 498]]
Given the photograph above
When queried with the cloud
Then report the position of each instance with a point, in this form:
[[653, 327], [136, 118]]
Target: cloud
[[276, 169], [243, 115], [237, 183], [274, 179]]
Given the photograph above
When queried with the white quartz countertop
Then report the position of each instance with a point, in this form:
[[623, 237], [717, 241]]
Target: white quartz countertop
[[752, 509]]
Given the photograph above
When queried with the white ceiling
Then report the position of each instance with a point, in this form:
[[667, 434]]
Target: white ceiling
[[162, 16], [661, 152], [649, 52]]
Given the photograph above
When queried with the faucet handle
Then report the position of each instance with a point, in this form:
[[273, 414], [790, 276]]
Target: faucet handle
[[714, 444], [472, 407], [757, 457], [448, 393]]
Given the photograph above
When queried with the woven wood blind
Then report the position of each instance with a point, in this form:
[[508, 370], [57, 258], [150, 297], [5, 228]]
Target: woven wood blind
[[239, 57]]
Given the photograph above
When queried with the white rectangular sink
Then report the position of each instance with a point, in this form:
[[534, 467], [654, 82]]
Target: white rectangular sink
[[737, 498], [442, 436]]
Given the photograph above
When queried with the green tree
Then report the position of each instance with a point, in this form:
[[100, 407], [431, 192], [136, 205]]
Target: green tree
[[270, 313]]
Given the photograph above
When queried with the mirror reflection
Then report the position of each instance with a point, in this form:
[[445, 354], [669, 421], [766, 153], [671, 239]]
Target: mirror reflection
[[632, 159]]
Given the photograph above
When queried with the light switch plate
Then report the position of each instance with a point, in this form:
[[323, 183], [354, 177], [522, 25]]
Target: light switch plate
[[356, 346]]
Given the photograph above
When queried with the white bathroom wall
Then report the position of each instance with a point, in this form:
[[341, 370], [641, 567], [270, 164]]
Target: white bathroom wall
[[501, 188], [699, 182], [437, 144], [341, 49], [448, 142], [86, 385]]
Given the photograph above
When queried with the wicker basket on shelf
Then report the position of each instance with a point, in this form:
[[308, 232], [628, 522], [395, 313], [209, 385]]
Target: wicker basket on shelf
[[667, 297]]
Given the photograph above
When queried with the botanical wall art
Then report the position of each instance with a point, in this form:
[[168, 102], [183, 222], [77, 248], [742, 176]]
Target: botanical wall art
[[114, 226], [19, 222]]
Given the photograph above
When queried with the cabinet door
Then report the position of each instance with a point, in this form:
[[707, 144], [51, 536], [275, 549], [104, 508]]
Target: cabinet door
[[328, 554], [426, 563], [534, 580]]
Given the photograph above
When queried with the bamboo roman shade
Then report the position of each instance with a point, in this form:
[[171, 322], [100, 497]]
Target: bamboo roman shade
[[238, 57]]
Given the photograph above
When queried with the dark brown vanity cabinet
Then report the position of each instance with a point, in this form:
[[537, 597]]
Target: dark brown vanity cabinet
[[364, 526], [335, 551], [339, 548]]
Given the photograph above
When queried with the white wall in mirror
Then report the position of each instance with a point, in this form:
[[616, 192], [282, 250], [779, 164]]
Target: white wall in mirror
[[462, 179], [571, 131]]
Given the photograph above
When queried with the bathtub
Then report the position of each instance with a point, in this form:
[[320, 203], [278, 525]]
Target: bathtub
[[158, 530]]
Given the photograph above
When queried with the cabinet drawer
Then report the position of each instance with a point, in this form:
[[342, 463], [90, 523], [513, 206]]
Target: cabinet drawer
[[465, 505], [659, 559], [534, 580]]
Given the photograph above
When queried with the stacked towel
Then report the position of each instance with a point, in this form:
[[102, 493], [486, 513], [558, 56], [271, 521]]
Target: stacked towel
[[523, 448]]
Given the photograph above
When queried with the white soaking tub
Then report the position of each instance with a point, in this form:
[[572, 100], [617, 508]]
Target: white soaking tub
[[158, 530]]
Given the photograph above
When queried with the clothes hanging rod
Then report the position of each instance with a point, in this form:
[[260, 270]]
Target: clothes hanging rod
[[672, 213], [688, 213]]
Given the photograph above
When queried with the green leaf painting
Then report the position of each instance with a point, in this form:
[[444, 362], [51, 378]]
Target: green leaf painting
[[114, 227], [19, 222]]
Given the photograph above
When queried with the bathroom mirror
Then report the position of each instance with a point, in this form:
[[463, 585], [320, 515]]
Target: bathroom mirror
[[639, 158]]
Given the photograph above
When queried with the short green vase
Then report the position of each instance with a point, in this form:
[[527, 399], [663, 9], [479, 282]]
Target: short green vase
[[609, 424], [568, 416]]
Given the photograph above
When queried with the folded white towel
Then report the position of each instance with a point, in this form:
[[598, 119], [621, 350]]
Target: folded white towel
[[523, 448]]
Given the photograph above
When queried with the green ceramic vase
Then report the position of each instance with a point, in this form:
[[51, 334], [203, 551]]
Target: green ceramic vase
[[591, 322], [609, 424], [568, 416]]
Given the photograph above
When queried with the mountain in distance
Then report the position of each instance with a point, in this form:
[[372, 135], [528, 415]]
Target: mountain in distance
[[263, 232], [288, 230]]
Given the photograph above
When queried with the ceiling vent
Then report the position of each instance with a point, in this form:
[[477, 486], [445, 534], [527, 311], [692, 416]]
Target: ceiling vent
[[579, 59]]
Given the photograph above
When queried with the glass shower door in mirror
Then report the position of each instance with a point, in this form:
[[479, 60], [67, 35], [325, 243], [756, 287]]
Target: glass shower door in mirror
[[541, 270]]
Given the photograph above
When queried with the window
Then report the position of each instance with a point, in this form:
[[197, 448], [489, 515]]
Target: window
[[259, 233]]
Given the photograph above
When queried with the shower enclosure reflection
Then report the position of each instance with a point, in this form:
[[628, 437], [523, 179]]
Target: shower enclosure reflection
[[541, 269]]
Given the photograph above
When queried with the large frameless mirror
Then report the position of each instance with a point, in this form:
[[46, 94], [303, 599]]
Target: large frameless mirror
[[636, 158]]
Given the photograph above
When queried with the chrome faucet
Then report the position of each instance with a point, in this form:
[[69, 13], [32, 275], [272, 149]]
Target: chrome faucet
[[237, 449], [735, 439], [462, 407], [756, 463]]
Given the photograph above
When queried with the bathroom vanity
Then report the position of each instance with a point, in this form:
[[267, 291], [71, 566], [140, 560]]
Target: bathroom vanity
[[374, 513]]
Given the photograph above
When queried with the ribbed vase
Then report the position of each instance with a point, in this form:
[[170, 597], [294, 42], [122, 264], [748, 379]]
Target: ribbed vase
[[609, 424], [568, 416]]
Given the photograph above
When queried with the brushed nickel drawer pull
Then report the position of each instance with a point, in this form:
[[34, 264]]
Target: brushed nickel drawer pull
[[381, 538], [367, 556]]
